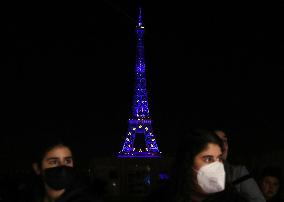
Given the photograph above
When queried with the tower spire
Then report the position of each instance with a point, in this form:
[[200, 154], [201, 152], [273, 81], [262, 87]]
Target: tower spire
[[140, 101], [140, 140], [140, 23]]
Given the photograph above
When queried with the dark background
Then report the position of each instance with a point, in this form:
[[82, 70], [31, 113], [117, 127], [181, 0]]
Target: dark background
[[69, 71]]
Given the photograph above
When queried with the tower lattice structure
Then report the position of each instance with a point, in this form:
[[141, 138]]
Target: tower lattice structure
[[140, 140]]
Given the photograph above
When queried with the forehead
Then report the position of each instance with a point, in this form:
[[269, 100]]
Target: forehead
[[59, 151], [211, 149], [271, 179]]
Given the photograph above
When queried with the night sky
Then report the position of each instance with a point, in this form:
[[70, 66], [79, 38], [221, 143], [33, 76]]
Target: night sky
[[69, 71]]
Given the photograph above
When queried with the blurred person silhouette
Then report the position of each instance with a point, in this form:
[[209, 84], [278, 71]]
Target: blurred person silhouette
[[238, 175], [56, 178], [198, 174], [270, 183]]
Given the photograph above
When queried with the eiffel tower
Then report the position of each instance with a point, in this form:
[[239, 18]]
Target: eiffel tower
[[140, 140]]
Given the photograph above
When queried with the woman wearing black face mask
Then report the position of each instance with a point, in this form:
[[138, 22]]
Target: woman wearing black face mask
[[57, 180]]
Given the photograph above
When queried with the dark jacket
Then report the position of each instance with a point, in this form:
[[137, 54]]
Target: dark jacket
[[243, 182], [79, 192], [276, 199], [166, 193]]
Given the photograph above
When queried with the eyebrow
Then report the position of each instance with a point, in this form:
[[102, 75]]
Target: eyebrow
[[55, 158], [204, 156], [52, 158], [207, 156]]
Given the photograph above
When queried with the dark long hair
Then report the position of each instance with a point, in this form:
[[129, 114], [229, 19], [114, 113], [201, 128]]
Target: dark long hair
[[191, 144]]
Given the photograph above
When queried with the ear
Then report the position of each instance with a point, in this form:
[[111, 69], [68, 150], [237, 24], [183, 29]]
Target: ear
[[36, 168]]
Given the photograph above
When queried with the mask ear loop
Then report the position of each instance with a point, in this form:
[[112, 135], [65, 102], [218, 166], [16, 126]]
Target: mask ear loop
[[194, 170]]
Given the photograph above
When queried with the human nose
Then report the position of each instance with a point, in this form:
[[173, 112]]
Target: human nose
[[61, 163]]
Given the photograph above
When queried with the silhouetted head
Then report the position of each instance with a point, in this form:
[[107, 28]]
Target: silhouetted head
[[270, 182], [223, 136]]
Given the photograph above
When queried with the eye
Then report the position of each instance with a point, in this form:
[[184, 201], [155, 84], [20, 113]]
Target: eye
[[68, 161], [53, 162], [220, 159], [208, 159]]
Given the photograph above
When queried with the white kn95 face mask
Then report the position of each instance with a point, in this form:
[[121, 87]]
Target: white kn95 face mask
[[211, 177]]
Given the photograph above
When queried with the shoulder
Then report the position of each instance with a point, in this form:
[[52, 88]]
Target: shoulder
[[236, 171], [239, 168], [29, 191]]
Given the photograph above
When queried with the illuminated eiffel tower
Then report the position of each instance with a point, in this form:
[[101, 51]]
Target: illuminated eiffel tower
[[140, 140]]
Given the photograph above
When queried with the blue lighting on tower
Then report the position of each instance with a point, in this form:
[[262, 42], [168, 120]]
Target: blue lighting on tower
[[140, 140]]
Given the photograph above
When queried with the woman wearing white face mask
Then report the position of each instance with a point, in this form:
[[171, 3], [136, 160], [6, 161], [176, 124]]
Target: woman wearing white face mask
[[199, 173]]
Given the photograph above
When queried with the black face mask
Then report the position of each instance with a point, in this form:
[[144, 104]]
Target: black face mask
[[59, 178]]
